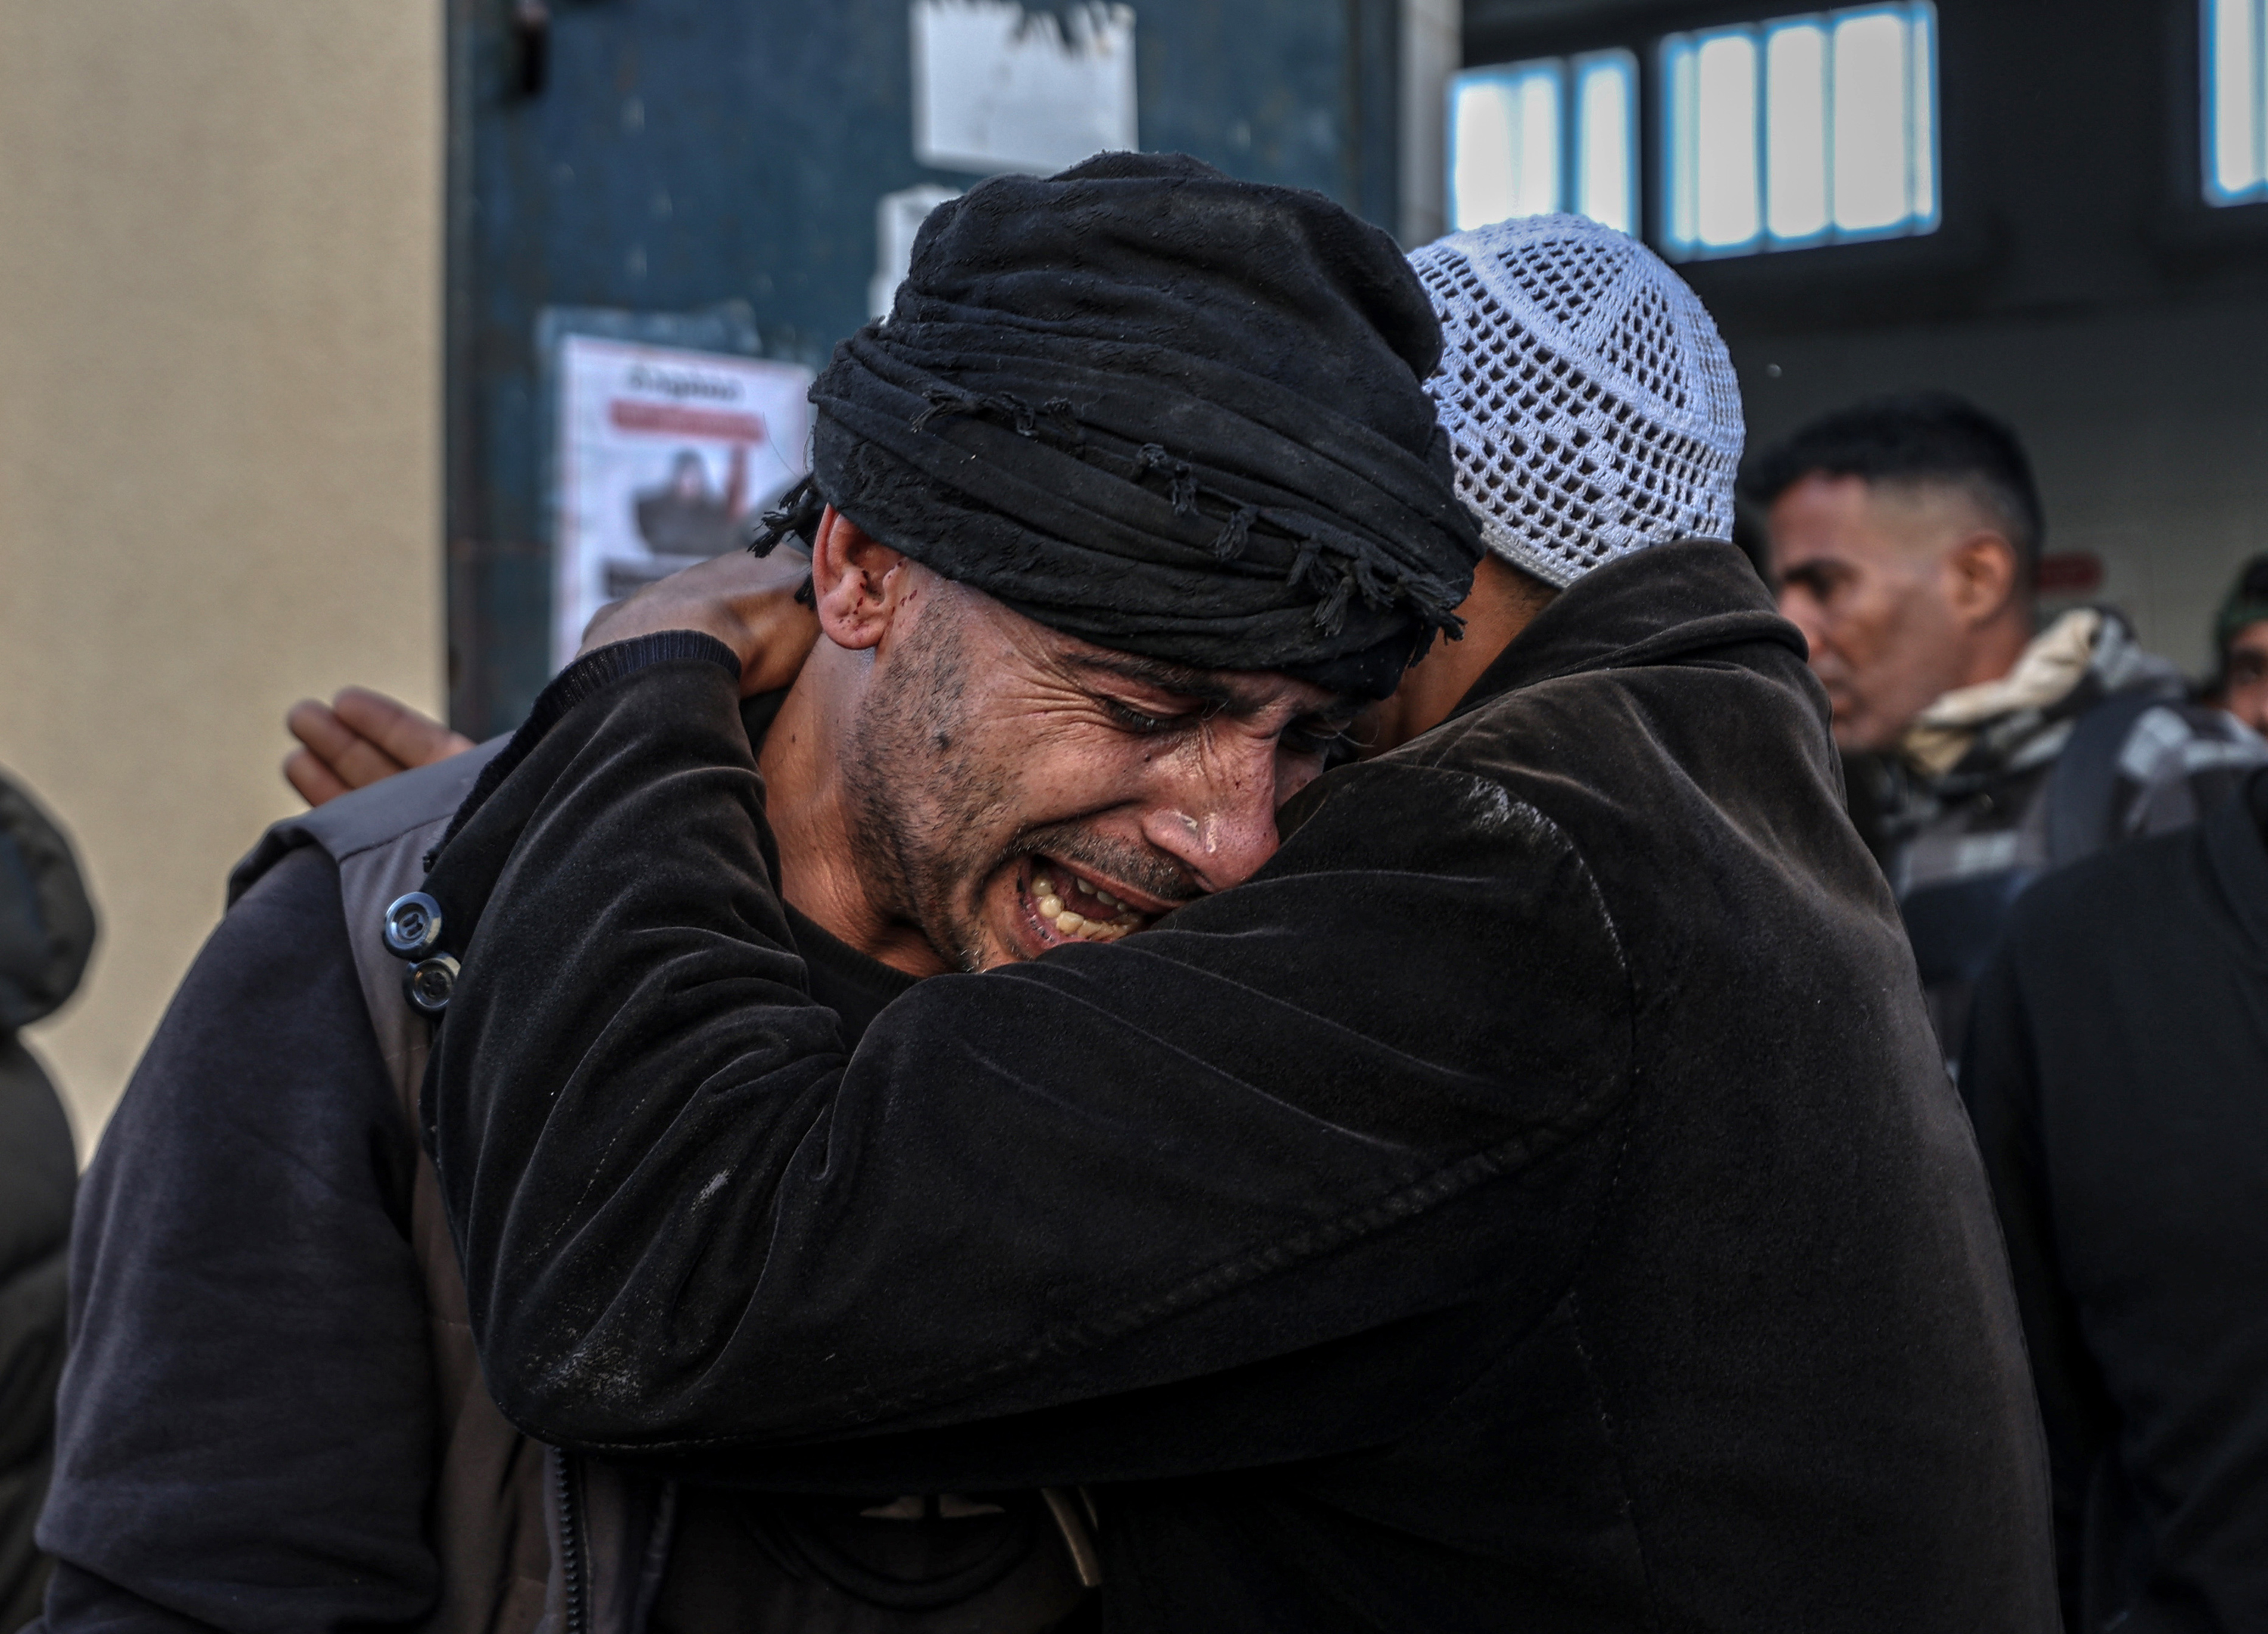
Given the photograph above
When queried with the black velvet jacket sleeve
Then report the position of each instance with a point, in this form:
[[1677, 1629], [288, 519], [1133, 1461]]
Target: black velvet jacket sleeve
[[690, 1222]]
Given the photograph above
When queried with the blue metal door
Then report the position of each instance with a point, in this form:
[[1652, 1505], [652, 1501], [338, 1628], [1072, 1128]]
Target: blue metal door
[[727, 157]]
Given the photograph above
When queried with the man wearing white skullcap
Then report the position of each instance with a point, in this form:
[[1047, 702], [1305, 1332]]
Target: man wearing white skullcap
[[1592, 410], [1533, 1201]]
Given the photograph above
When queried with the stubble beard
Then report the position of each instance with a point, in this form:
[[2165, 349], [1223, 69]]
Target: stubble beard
[[915, 795], [920, 804]]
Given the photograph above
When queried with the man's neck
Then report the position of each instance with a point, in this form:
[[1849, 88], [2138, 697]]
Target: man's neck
[[1504, 602], [808, 806]]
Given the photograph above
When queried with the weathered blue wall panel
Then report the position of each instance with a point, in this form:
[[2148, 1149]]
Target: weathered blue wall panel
[[689, 154]]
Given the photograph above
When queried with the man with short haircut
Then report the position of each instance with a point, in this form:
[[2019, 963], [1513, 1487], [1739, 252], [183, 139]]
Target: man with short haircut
[[271, 1417], [1905, 533], [1533, 1200]]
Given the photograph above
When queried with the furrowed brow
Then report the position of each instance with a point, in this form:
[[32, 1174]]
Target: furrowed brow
[[1178, 679]]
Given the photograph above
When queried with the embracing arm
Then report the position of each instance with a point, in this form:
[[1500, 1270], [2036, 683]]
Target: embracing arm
[[689, 1220]]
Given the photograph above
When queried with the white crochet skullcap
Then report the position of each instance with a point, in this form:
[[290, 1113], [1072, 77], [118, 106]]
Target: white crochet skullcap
[[1590, 404]]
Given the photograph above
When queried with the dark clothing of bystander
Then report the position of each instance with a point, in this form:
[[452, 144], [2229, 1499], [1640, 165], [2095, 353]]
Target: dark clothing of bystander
[[2118, 1071], [47, 932], [38, 1167]]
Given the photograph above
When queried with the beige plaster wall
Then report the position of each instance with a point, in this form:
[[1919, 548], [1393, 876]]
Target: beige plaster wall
[[220, 346]]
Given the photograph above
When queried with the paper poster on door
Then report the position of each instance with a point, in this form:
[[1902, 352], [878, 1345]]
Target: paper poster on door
[[664, 456]]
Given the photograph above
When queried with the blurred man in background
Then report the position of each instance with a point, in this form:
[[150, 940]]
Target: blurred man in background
[[1905, 535], [2240, 644], [46, 930]]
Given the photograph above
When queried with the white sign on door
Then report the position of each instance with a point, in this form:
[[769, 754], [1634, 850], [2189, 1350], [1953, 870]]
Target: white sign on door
[[663, 456], [999, 88]]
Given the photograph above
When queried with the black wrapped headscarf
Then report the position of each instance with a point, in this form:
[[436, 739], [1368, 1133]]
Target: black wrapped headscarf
[[1164, 411]]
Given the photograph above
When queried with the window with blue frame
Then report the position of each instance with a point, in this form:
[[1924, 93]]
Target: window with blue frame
[[1800, 130], [2235, 89], [1555, 134]]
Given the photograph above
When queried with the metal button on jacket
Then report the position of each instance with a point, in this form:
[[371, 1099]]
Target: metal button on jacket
[[413, 925], [429, 981]]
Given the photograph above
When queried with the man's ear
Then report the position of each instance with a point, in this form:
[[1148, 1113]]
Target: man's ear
[[1981, 573], [857, 583]]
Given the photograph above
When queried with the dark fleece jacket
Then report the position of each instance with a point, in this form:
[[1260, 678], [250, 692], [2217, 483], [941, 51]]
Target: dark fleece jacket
[[1533, 1201], [2114, 1068]]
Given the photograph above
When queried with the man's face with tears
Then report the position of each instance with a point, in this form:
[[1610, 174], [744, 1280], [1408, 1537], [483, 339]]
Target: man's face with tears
[[1006, 789]]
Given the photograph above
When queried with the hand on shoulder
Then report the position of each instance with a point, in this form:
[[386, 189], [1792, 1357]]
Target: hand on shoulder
[[749, 603]]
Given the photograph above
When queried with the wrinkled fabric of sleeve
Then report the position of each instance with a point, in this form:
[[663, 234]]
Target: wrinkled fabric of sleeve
[[1227, 1175]]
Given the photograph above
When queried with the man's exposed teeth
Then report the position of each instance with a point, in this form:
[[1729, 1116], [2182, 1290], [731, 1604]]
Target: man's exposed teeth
[[1110, 920]]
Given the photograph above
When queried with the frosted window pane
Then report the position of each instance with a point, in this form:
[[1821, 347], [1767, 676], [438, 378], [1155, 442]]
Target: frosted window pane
[[1538, 162], [1480, 184], [1870, 122], [1504, 144], [1921, 122], [2233, 89], [2259, 89], [1678, 72], [1802, 129], [1796, 130], [2257, 85], [1605, 106], [1725, 145]]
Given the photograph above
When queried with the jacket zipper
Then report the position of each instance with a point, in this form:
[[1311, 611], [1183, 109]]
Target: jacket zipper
[[570, 1546]]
